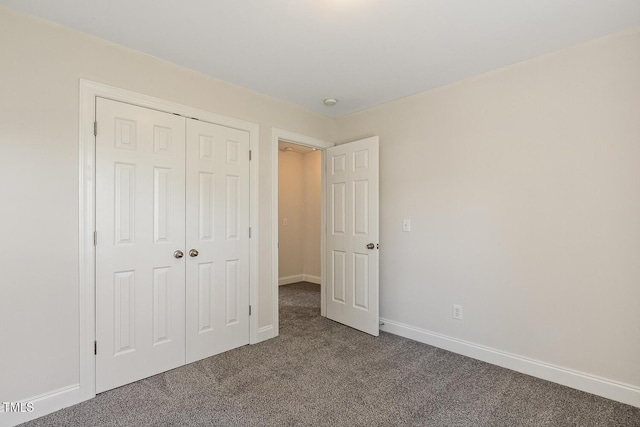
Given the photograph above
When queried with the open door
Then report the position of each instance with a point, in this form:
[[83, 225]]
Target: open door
[[352, 260]]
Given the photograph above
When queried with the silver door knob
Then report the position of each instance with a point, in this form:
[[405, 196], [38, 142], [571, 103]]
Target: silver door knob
[[178, 254], [193, 253], [371, 246]]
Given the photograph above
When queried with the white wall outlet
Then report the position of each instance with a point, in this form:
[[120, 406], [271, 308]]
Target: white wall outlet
[[285, 221], [457, 312], [406, 225]]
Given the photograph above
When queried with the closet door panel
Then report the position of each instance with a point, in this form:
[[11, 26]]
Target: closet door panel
[[140, 217], [217, 295]]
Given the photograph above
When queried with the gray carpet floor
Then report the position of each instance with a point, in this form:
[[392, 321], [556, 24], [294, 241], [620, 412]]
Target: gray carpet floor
[[318, 372]]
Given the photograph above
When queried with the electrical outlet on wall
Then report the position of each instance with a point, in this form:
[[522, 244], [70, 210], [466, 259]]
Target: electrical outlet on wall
[[457, 312]]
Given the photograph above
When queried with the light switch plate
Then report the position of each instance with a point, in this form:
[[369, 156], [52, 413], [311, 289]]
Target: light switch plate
[[406, 225]]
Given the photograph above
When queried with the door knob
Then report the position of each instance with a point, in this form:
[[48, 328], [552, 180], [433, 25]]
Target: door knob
[[178, 254], [193, 253], [371, 246]]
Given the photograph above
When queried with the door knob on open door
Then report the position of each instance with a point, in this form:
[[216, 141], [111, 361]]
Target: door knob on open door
[[178, 254], [193, 253], [371, 246]]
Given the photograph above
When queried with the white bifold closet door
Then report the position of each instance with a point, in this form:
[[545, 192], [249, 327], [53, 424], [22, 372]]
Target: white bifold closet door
[[172, 253]]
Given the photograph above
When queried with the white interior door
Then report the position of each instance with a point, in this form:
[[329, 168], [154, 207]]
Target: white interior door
[[352, 234], [140, 223], [217, 239]]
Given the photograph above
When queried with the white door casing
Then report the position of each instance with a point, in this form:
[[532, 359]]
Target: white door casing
[[278, 135], [352, 261], [217, 297], [140, 285]]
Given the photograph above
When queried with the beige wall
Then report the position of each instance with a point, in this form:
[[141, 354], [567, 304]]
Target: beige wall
[[41, 67], [290, 207], [523, 187], [312, 179], [521, 184], [299, 202]]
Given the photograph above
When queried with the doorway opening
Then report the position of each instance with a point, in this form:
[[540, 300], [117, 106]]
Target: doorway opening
[[299, 223], [299, 146]]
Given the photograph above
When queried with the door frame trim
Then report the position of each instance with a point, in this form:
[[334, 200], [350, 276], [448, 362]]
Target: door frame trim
[[89, 90], [299, 139]]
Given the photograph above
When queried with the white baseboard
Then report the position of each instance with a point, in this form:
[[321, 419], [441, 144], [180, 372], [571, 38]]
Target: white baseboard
[[599, 386], [311, 279], [43, 404], [265, 333], [287, 280]]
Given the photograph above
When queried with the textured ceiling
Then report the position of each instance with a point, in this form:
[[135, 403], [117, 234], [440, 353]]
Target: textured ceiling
[[361, 52]]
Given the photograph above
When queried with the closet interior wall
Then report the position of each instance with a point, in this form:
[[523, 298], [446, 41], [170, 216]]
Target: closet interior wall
[[299, 207]]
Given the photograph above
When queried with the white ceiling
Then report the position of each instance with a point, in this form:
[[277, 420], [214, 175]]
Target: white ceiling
[[361, 52]]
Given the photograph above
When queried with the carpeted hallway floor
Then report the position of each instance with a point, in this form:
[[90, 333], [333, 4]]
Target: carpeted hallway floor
[[318, 372]]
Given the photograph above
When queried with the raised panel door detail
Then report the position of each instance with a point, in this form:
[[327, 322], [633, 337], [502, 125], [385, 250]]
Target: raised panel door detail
[[338, 164], [361, 208], [360, 160], [161, 204], [206, 147], [339, 275], [140, 203], [161, 305], [161, 140], [338, 220], [232, 207], [217, 208], [205, 297], [353, 228], [361, 281], [125, 186], [233, 152], [232, 291], [125, 134], [124, 312], [206, 206]]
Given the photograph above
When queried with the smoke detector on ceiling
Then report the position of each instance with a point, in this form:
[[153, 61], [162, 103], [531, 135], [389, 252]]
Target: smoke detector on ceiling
[[330, 102]]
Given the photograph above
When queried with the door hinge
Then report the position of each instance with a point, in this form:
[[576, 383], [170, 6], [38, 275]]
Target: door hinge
[[249, 154], [95, 238], [95, 348], [95, 128], [249, 310], [249, 232]]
